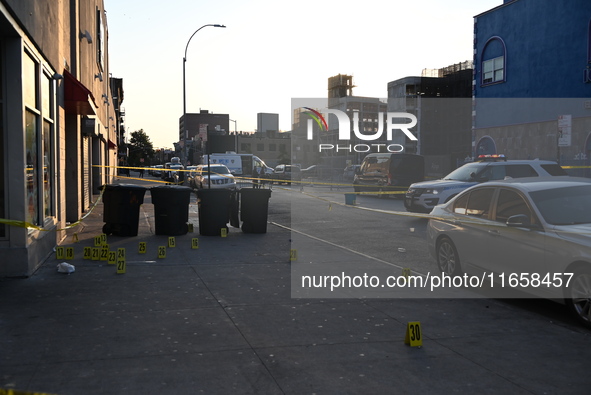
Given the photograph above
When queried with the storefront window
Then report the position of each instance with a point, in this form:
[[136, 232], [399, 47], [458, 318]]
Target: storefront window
[[31, 168], [29, 81], [39, 137], [48, 160], [47, 171]]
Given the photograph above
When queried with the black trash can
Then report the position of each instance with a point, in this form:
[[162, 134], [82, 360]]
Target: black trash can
[[171, 209], [235, 208], [121, 204], [214, 211], [254, 208]]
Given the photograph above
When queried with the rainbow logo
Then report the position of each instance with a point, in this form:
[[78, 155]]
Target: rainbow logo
[[318, 118]]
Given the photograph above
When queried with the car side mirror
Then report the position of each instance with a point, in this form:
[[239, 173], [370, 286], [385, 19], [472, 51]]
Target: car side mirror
[[521, 221]]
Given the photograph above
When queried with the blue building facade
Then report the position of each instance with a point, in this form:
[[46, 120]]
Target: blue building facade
[[532, 80]]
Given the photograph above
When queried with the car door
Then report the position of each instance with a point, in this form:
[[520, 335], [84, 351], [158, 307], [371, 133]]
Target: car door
[[472, 223], [516, 250]]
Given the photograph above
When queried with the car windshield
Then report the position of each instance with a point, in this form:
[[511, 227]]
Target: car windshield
[[463, 173], [220, 169], [564, 206]]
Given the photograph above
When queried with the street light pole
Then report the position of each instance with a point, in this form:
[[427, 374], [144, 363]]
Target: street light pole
[[235, 136], [185, 131]]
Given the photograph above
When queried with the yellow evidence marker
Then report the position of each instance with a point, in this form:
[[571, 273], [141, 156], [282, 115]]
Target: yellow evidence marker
[[121, 266], [112, 258], [293, 255], [162, 252], [69, 253], [142, 247], [413, 336], [406, 272], [194, 243], [171, 242]]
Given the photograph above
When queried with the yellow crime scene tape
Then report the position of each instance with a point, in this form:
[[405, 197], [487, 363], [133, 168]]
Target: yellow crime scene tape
[[15, 392], [28, 225], [260, 180]]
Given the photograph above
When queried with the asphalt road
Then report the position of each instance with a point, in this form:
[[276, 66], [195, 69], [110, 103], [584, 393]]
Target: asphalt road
[[379, 229]]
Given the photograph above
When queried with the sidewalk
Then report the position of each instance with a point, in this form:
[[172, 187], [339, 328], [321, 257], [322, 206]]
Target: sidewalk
[[220, 320]]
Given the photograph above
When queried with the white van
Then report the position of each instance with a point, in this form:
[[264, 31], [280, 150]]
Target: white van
[[238, 164]]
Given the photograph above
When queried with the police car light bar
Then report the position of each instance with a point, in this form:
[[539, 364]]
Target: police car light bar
[[492, 157]]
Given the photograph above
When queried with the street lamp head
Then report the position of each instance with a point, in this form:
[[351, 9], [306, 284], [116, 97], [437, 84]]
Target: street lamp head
[[219, 25]]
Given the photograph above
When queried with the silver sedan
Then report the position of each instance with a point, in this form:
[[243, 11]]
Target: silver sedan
[[531, 234]]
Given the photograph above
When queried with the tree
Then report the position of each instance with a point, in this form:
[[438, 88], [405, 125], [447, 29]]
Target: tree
[[283, 157], [140, 147]]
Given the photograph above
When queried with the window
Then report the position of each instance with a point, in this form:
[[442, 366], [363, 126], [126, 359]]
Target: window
[[555, 170], [511, 203], [493, 70], [479, 203], [493, 61], [100, 34], [31, 170], [39, 169], [461, 203]]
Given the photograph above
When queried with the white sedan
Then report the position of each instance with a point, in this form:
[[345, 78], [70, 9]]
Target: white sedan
[[529, 234]]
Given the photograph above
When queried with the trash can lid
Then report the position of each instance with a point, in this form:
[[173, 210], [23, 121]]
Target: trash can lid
[[176, 187], [123, 186]]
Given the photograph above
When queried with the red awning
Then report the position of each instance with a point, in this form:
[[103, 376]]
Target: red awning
[[78, 98], [112, 145]]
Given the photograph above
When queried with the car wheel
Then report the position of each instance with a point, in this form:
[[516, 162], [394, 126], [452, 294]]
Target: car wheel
[[107, 229], [448, 259], [579, 296]]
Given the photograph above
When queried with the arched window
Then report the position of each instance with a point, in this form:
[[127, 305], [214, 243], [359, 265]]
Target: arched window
[[493, 61], [486, 146]]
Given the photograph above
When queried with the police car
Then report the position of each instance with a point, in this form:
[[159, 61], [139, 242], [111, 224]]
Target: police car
[[421, 197]]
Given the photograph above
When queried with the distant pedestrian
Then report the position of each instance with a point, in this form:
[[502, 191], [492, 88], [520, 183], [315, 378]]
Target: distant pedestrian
[[255, 178], [142, 172]]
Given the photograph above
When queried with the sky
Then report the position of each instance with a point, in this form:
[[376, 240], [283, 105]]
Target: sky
[[272, 51]]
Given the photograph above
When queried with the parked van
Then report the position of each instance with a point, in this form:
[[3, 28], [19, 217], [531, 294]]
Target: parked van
[[384, 172], [238, 164]]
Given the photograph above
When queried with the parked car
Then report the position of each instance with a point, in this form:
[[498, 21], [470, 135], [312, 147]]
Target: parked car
[[383, 172], [220, 177], [322, 172], [309, 172], [286, 174], [157, 170], [529, 234], [423, 196]]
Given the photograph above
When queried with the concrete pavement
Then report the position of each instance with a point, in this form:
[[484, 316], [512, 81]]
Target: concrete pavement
[[221, 319]]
